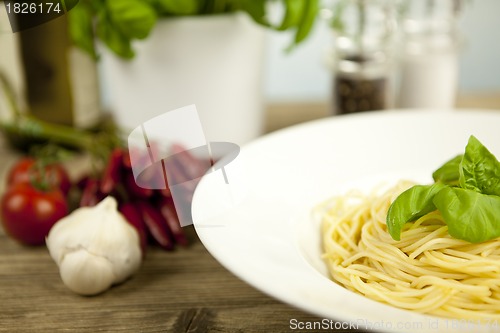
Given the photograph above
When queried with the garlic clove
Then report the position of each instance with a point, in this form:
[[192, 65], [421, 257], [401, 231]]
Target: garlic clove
[[94, 247], [85, 273]]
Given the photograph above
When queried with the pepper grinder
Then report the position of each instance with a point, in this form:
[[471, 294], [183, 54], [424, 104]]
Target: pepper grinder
[[362, 55]]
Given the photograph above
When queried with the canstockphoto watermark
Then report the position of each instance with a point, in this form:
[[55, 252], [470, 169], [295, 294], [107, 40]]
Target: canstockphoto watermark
[[170, 153], [359, 324], [456, 325], [323, 324]]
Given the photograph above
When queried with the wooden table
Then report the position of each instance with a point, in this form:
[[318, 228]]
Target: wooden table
[[181, 291], [281, 115], [186, 290]]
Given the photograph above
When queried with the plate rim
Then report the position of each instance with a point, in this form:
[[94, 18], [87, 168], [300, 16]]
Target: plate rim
[[325, 122]]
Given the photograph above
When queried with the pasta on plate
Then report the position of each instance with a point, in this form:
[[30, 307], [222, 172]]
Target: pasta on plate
[[427, 271]]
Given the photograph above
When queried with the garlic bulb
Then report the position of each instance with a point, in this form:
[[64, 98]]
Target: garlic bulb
[[94, 247]]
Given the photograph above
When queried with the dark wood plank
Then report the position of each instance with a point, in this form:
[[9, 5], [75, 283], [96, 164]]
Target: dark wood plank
[[181, 291]]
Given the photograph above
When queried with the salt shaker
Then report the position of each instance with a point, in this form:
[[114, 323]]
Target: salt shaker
[[429, 61]]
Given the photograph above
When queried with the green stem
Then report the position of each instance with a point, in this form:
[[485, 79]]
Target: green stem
[[9, 93], [26, 126], [29, 127]]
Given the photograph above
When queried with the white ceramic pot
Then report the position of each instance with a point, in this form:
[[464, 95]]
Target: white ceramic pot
[[214, 62]]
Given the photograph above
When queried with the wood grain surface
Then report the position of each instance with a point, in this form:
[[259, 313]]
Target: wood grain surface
[[186, 290], [181, 291]]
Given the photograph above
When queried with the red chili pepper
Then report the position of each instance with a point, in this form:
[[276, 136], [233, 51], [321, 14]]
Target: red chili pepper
[[133, 216], [127, 157], [185, 171], [136, 158], [91, 195], [153, 177], [192, 167], [133, 189], [165, 193], [82, 182], [179, 178], [112, 173], [157, 225], [169, 213]]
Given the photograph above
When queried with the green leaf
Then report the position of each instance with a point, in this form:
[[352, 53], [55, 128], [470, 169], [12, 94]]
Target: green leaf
[[113, 38], [449, 172], [479, 169], [293, 14], [133, 18], [470, 216], [257, 10], [410, 205], [69, 4], [176, 7], [307, 22], [80, 28], [205, 7]]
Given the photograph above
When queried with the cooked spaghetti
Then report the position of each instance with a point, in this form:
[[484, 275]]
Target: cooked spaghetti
[[427, 271]]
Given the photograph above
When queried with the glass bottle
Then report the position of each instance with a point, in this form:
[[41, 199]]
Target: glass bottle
[[54, 80], [429, 61], [61, 80], [364, 33]]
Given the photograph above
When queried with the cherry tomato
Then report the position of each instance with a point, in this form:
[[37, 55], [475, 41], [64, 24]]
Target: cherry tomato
[[24, 171], [27, 213]]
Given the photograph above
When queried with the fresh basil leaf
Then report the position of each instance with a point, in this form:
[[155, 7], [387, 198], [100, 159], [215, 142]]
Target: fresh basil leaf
[[410, 205], [449, 173], [470, 215], [306, 24], [97, 5], [479, 169], [176, 7], [113, 38], [257, 10], [293, 14], [133, 18], [69, 4], [80, 28]]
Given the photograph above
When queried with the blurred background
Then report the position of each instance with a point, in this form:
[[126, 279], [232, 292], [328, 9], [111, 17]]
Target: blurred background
[[304, 76], [301, 81], [247, 79]]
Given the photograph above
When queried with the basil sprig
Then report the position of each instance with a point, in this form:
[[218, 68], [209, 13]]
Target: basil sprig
[[410, 206], [449, 172], [117, 23], [466, 192]]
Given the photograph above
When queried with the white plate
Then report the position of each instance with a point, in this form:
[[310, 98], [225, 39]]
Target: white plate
[[259, 225]]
